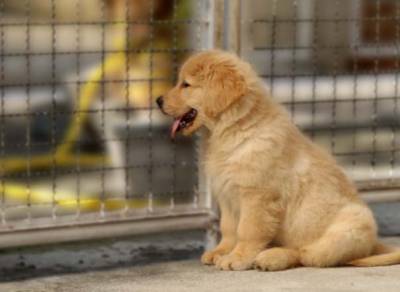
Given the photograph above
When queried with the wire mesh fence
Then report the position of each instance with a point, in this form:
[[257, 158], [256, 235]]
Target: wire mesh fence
[[335, 64], [80, 139]]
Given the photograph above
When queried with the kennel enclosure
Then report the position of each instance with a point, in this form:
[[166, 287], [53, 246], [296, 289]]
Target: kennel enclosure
[[85, 153]]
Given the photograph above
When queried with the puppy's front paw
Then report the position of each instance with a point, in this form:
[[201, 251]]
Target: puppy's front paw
[[210, 257], [234, 262]]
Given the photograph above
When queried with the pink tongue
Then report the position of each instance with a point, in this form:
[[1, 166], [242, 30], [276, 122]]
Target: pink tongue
[[175, 127]]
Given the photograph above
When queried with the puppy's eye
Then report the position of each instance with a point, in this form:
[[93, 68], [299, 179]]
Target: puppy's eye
[[185, 84]]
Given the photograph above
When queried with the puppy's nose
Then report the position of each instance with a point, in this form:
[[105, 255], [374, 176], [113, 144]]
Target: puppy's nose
[[160, 101]]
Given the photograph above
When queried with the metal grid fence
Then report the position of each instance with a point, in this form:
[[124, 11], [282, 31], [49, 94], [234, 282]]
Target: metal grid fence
[[81, 143], [335, 64], [84, 153]]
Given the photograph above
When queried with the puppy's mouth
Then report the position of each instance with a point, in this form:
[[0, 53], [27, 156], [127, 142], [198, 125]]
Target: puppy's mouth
[[183, 122]]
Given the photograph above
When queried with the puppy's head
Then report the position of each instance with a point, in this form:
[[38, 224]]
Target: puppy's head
[[209, 83]]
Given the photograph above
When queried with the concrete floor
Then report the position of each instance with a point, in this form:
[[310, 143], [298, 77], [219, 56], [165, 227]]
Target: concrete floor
[[190, 275]]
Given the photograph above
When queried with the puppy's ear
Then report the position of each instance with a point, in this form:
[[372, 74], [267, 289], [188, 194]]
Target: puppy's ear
[[225, 86]]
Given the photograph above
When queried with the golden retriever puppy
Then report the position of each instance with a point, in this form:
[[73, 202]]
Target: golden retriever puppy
[[284, 202]]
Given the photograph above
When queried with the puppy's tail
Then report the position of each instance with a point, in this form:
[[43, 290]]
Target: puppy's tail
[[383, 255]]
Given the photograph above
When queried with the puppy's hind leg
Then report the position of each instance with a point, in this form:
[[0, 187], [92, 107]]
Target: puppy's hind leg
[[277, 259], [352, 235]]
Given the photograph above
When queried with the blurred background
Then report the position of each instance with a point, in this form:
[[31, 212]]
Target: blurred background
[[335, 64], [82, 142], [78, 130]]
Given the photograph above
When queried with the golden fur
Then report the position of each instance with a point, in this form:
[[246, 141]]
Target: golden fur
[[284, 201]]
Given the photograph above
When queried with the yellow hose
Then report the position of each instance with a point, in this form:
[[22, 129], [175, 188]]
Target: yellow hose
[[45, 161], [43, 196], [113, 62], [62, 155]]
